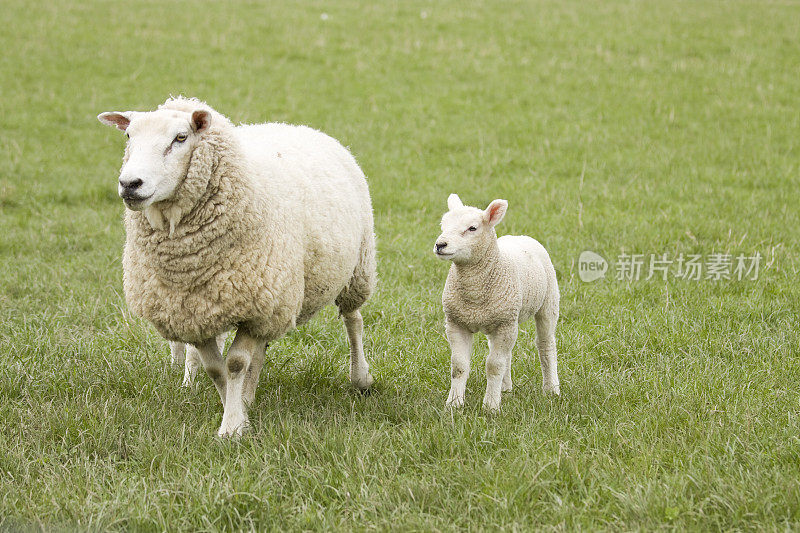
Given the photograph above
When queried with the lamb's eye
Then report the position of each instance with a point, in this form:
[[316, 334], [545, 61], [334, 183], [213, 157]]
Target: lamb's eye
[[472, 228], [180, 137]]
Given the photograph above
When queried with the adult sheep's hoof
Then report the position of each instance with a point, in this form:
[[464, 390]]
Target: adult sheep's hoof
[[363, 383], [233, 426]]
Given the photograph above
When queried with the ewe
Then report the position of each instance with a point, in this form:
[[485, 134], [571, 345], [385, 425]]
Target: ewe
[[493, 286], [252, 227]]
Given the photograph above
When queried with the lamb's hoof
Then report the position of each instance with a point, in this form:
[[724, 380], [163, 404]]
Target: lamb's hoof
[[454, 400], [363, 383], [233, 427], [507, 388]]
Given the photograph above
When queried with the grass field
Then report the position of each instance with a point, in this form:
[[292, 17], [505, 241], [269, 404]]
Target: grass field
[[613, 126]]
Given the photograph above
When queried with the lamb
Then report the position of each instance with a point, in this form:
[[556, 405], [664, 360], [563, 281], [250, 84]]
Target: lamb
[[252, 227], [493, 286]]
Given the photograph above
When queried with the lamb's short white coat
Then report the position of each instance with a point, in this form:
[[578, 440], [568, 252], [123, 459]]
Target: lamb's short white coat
[[252, 228], [493, 286]]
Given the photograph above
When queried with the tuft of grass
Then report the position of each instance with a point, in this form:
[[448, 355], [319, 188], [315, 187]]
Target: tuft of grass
[[614, 126]]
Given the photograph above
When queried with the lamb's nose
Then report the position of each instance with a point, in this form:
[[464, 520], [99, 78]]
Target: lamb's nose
[[440, 246], [130, 184]]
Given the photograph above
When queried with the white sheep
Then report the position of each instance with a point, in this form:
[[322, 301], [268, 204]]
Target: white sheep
[[252, 227], [493, 286]]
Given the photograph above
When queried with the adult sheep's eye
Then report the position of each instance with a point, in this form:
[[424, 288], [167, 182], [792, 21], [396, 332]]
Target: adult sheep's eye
[[180, 137], [472, 228], [128, 135]]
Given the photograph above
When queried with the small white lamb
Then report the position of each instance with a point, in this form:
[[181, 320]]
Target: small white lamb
[[493, 286]]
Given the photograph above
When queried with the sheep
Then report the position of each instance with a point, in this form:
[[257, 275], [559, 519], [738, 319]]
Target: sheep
[[252, 227], [493, 286]]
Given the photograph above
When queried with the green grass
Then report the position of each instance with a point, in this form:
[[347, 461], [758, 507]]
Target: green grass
[[649, 127]]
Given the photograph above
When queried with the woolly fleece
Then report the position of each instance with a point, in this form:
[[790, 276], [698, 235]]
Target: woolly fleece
[[493, 286], [271, 223]]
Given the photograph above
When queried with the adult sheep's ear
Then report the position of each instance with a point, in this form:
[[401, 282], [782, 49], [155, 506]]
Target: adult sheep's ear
[[454, 202], [120, 120], [201, 119], [495, 212]]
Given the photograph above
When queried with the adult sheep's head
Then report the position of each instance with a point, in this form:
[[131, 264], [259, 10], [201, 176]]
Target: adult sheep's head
[[159, 152], [468, 231]]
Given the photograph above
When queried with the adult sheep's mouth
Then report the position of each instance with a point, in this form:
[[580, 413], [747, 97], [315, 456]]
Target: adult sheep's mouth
[[135, 202]]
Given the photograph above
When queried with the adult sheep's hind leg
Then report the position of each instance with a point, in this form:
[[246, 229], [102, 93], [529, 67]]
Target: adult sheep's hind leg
[[349, 302], [192, 365], [359, 368], [177, 351]]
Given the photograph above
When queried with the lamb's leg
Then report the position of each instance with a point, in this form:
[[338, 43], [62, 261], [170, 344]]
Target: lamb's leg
[[251, 381], [546, 344], [214, 364], [460, 340], [507, 386], [359, 368], [501, 343], [241, 354]]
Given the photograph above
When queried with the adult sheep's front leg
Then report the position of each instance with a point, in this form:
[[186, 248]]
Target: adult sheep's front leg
[[251, 381], [244, 350], [212, 360], [359, 368], [501, 343], [193, 361]]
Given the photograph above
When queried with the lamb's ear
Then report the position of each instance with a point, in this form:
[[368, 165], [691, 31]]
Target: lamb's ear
[[120, 120], [454, 202], [495, 212], [201, 119]]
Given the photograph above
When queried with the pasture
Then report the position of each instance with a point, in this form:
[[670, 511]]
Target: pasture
[[620, 127]]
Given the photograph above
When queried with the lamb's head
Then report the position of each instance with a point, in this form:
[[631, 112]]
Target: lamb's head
[[159, 151], [468, 231]]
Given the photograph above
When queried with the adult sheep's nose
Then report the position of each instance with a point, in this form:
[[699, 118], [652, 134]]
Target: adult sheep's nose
[[130, 184], [440, 246]]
